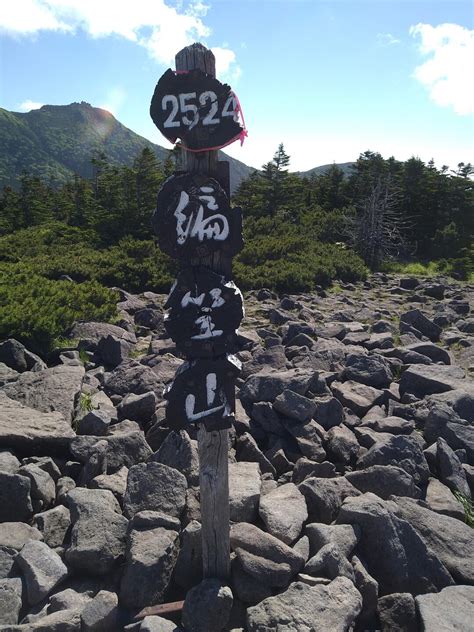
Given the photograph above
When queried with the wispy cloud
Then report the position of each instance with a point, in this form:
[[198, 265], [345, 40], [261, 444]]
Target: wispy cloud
[[450, 48], [387, 39], [28, 105], [162, 29]]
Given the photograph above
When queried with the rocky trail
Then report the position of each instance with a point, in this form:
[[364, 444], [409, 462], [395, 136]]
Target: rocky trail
[[351, 468]]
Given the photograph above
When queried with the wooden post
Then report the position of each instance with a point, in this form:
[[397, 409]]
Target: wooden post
[[213, 446]]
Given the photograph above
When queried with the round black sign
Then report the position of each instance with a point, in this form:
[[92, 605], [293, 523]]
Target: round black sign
[[193, 218], [196, 108], [204, 313]]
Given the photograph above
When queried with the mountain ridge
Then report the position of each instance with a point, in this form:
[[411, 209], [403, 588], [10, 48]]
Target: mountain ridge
[[56, 142]]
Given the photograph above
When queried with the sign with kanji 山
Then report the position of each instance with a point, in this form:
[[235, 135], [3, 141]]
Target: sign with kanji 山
[[193, 218], [196, 108], [204, 313], [203, 391]]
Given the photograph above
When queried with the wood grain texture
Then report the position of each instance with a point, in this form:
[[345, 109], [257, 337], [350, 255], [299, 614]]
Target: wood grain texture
[[213, 446]]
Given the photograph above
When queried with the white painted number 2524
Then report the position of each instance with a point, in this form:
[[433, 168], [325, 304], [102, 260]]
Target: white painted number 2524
[[183, 104]]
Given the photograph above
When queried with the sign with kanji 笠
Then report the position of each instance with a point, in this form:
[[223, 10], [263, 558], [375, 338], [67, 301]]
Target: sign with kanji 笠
[[204, 312]]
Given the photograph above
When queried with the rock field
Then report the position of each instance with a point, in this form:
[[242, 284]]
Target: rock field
[[351, 467]]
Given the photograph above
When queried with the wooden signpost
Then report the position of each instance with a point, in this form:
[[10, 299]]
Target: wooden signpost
[[195, 224]]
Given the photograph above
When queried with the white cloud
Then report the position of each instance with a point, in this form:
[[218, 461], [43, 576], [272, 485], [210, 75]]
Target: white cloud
[[386, 39], [445, 74], [28, 105], [226, 65], [161, 29]]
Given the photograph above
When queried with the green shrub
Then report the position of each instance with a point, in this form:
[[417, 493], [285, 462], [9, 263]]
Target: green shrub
[[38, 311]]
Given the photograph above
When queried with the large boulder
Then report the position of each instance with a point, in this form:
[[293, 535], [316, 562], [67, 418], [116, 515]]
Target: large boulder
[[372, 370], [396, 555], [179, 452], [400, 451], [425, 379], [451, 540], [304, 608], [42, 569], [149, 561], [324, 496], [30, 431], [124, 449], [359, 398], [244, 491], [156, 487], [15, 498], [132, 377], [283, 510], [450, 610], [207, 607], [266, 386], [16, 356], [263, 556], [98, 531], [55, 389], [10, 601]]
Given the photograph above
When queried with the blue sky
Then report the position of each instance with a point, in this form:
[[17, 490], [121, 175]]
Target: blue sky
[[329, 79]]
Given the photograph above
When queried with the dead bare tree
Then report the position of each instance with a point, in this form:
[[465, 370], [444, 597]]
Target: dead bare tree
[[376, 232]]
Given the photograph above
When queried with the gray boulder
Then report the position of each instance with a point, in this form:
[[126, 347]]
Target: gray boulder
[[7, 558], [341, 444], [384, 480], [207, 607], [449, 539], [95, 423], [372, 370], [149, 562], [17, 357], [421, 380], [401, 451], [440, 498], [284, 511], [397, 557], [43, 488], [28, 430], [54, 524], [98, 531], [132, 377], [100, 614], [450, 470], [247, 588], [324, 496], [89, 334], [124, 449], [304, 608], [55, 389], [329, 412], [397, 613], [112, 350], [188, 568], [266, 386], [10, 601], [451, 610], [244, 491], [138, 407], [157, 487], [14, 535], [116, 483], [294, 406], [179, 452], [419, 321], [158, 624], [357, 397], [263, 556], [42, 570], [15, 498], [8, 462]]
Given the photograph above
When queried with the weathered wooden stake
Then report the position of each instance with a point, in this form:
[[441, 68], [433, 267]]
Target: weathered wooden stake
[[213, 446]]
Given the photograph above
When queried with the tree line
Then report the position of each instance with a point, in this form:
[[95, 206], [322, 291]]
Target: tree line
[[418, 211]]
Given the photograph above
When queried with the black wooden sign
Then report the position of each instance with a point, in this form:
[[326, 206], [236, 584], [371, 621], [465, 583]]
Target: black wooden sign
[[204, 313], [196, 108], [203, 392], [193, 218]]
